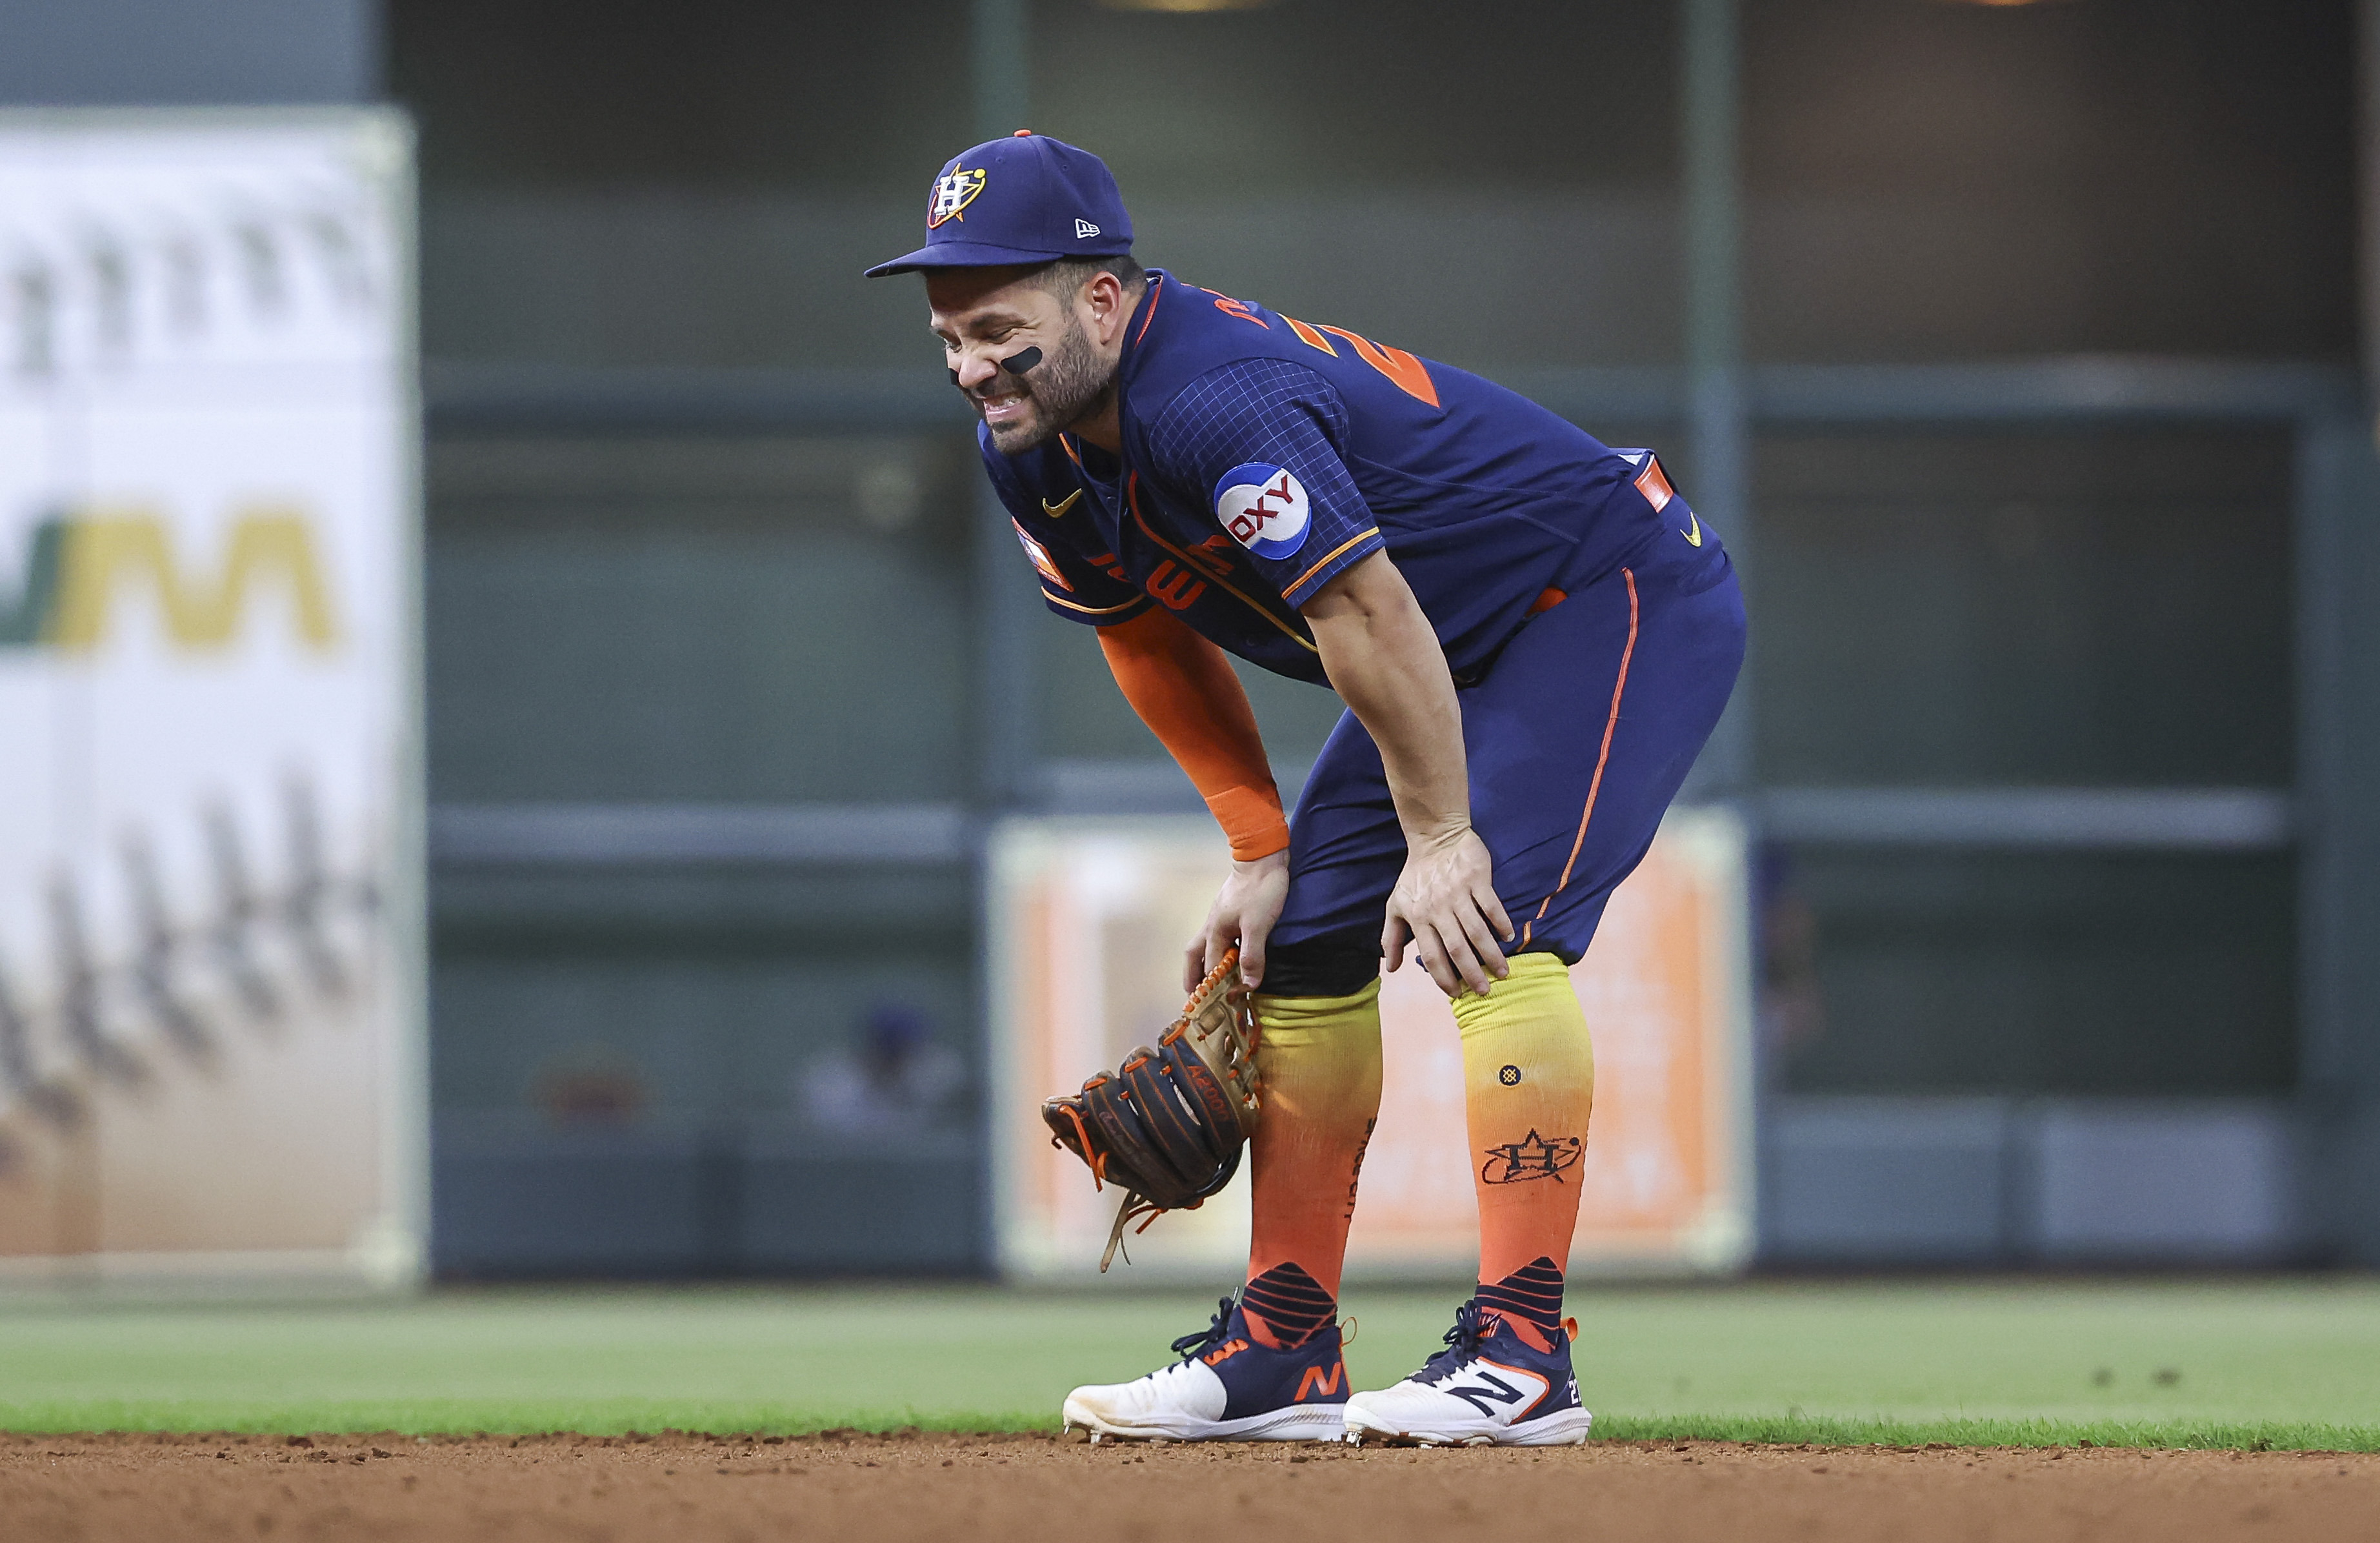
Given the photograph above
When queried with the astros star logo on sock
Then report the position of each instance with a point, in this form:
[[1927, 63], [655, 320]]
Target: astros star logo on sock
[[1531, 1156]]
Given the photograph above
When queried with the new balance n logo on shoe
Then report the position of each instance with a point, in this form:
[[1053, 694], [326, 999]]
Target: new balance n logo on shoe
[[1497, 1392], [1317, 1380]]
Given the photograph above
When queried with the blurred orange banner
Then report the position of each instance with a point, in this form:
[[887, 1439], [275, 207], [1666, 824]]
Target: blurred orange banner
[[1090, 919]]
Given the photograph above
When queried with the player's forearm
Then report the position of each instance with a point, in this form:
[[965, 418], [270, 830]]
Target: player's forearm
[[1184, 690], [1387, 667]]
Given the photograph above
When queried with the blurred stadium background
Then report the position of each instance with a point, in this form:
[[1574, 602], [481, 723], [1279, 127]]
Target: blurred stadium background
[[2019, 348]]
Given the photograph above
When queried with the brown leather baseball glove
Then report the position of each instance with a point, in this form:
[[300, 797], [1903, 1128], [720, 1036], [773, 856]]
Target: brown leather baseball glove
[[1166, 1127]]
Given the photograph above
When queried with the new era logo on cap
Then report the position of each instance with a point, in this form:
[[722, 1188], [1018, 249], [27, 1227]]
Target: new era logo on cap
[[1085, 230]]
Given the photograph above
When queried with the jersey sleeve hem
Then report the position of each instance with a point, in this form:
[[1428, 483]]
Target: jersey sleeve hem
[[1098, 615], [1346, 555]]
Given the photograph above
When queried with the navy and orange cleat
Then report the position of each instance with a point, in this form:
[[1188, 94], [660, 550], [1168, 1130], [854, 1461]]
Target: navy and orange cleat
[[1491, 1387], [1227, 1387]]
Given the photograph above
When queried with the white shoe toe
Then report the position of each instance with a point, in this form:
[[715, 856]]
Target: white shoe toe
[[1180, 1402]]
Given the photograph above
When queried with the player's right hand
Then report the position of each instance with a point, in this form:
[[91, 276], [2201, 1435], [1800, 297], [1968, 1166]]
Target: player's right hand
[[1242, 915], [1445, 905]]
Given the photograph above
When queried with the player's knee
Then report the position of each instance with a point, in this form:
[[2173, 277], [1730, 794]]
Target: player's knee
[[1329, 965]]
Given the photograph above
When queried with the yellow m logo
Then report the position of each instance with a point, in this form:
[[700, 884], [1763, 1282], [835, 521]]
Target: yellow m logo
[[103, 551]]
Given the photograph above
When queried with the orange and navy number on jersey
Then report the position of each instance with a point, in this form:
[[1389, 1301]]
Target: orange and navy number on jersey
[[1264, 455]]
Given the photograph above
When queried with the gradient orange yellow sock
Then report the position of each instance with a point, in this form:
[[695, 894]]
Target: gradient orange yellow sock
[[1319, 1058], [1528, 1072]]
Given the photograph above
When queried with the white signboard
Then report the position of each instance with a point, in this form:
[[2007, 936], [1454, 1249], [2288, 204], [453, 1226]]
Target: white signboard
[[210, 997]]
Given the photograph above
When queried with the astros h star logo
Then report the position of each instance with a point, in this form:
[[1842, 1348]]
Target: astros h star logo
[[1532, 1157], [953, 192]]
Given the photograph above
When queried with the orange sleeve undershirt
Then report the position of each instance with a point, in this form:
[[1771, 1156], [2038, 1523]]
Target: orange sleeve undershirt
[[1184, 690]]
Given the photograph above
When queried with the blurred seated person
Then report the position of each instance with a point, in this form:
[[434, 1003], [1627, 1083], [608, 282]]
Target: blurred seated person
[[894, 1081]]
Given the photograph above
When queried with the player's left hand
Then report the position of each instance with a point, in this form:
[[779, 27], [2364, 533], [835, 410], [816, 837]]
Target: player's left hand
[[1242, 915], [1445, 905]]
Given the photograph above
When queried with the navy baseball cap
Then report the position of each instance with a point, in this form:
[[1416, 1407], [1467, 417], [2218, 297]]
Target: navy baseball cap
[[1025, 199]]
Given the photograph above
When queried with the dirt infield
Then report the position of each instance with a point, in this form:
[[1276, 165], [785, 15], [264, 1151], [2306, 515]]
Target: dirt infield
[[698, 1490]]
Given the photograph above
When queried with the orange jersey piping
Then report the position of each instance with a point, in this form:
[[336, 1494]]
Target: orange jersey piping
[[1330, 557], [1594, 784], [1156, 292], [1092, 610]]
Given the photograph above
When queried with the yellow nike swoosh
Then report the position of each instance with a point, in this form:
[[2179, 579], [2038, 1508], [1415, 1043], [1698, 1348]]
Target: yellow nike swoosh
[[1055, 510], [1694, 536]]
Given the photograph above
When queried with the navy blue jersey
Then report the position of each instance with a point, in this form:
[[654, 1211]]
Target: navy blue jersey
[[1263, 455]]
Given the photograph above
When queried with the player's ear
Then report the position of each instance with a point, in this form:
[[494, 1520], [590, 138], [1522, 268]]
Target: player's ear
[[1105, 296]]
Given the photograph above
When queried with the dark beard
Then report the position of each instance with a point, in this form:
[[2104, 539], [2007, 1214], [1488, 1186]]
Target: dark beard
[[1069, 384]]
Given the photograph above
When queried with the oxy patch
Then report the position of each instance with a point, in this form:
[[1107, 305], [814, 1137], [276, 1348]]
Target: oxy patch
[[1264, 508]]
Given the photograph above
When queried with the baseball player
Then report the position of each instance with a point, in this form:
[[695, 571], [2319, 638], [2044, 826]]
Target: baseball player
[[1533, 634]]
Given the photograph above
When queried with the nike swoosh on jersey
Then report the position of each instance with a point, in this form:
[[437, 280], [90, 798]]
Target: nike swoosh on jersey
[[1694, 536], [1055, 510]]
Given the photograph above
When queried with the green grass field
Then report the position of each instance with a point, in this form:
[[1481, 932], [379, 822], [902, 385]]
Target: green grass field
[[2283, 1364]]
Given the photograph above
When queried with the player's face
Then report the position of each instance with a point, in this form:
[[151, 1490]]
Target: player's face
[[988, 315]]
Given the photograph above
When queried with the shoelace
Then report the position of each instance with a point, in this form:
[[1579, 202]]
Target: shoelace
[[1206, 1338], [1461, 1344]]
